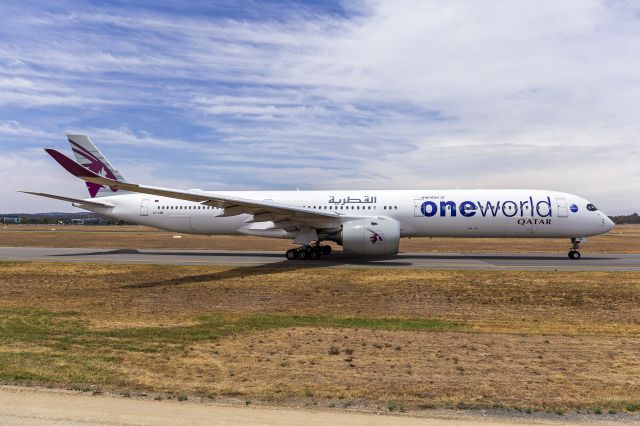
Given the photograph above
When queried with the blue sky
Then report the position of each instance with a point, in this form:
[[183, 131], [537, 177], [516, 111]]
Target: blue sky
[[281, 94]]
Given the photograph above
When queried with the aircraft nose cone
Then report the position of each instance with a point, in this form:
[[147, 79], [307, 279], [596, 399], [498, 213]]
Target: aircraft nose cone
[[608, 223]]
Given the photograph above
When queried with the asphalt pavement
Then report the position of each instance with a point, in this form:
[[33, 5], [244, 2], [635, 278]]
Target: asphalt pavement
[[452, 261]]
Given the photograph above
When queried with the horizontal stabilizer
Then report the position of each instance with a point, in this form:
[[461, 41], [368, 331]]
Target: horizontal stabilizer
[[77, 201]]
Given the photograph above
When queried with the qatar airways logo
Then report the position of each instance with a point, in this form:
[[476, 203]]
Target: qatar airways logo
[[94, 164], [508, 208], [374, 237]]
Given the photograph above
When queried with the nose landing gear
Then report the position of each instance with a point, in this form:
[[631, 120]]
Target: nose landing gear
[[308, 252], [574, 253]]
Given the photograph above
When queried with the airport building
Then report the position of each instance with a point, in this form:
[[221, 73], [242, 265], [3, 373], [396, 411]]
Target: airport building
[[11, 220]]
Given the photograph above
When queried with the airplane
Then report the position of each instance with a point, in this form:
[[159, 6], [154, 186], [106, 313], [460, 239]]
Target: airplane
[[363, 222]]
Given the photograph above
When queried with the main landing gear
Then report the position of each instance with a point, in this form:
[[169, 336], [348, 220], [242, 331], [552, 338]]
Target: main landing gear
[[575, 246], [308, 252]]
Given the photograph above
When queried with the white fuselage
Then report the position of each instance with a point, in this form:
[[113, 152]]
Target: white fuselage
[[421, 213]]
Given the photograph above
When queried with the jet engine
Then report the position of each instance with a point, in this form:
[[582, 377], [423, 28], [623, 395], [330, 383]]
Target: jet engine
[[376, 236]]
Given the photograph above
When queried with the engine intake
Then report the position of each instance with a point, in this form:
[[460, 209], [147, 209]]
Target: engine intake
[[371, 236]]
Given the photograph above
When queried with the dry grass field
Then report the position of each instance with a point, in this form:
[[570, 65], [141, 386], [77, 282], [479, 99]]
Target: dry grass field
[[550, 341], [622, 239]]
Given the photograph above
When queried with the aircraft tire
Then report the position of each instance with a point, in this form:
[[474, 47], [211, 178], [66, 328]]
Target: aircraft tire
[[291, 254], [325, 250], [314, 254]]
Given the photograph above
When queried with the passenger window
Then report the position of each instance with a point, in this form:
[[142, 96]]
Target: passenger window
[[395, 207]]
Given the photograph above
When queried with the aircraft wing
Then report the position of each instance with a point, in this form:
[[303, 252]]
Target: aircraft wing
[[78, 201], [262, 210]]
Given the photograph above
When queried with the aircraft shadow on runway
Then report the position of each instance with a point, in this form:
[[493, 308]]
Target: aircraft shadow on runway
[[274, 267], [338, 258], [332, 260]]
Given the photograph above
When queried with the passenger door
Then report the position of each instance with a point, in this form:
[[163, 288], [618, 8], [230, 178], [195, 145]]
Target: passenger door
[[144, 207], [561, 205]]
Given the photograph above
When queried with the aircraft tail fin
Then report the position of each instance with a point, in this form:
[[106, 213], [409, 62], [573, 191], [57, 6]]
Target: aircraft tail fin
[[89, 156]]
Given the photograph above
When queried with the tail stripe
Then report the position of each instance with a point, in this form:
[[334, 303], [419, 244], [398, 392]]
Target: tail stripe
[[90, 157]]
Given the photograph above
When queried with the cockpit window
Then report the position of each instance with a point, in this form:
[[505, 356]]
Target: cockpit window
[[591, 208]]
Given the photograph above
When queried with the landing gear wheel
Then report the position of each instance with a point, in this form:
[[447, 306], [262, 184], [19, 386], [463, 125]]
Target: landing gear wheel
[[325, 250], [574, 254], [292, 254], [314, 254], [302, 254]]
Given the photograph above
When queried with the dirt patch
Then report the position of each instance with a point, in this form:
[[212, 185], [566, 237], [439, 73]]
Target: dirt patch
[[430, 369], [417, 338], [509, 301]]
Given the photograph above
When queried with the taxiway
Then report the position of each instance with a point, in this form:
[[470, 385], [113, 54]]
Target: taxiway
[[452, 261]]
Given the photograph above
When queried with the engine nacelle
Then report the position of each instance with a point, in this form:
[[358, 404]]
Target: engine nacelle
[[375, 236]]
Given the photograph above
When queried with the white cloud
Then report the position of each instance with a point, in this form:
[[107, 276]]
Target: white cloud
[[32, 170], [13, 129]]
